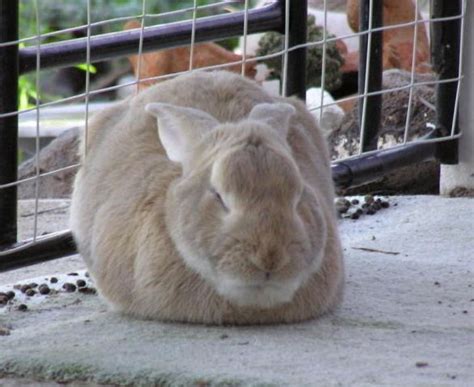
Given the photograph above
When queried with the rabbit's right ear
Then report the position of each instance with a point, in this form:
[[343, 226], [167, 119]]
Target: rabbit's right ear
[[179, 128]]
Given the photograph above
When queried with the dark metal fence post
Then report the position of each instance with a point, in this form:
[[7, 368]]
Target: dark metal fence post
[[296, 68], [373, 104], [445, 46], [8, 125]]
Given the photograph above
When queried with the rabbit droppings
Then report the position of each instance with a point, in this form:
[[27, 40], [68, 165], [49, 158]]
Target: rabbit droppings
[[204, 199]]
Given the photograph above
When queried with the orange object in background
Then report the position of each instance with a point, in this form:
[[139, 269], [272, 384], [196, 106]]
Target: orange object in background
[[397, 42], [174, 60]]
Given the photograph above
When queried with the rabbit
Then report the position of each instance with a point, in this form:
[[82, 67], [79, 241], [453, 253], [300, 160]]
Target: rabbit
[[203, 199]]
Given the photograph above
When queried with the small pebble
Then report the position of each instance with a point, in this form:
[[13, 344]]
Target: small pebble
[[53, 280], [464, 311], [80, 283], [359, 211], [385, 204], [44, 289], [437, 283], [355, 215], [30, 292], [69, 287], [370, 211], [355, 202], [10, 294], [421, 364], [22, 307]]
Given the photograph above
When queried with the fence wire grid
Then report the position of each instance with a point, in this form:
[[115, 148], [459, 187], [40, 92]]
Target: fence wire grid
[[39, 107]]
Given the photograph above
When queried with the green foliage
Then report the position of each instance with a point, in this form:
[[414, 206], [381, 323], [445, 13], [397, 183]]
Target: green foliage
[[26, 91], [272, 42]]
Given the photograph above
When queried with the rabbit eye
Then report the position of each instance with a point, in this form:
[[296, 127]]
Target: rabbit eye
[[218, 197]]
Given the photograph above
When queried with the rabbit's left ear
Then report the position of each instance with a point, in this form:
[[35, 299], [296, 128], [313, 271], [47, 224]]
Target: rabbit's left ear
[[276, 115], [179, 128]]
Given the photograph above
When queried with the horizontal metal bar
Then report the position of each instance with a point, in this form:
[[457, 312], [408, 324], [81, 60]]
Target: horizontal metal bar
[[45, 248], [373, 166], [107, 46]]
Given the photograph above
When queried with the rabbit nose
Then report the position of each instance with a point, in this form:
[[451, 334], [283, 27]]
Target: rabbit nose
[[268, 261]]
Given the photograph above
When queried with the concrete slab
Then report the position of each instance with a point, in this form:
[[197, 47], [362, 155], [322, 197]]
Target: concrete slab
[[407, 319]]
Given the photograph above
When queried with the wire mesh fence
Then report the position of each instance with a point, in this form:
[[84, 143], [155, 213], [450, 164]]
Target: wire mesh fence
[[96, 37]]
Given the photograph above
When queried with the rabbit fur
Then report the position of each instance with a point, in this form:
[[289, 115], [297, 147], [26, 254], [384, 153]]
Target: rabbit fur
[[203, 199]]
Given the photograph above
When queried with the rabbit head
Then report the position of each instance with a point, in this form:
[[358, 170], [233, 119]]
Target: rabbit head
[[241, 214]]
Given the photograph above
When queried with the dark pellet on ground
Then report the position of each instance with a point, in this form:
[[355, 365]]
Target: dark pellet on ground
[[87, 290], [81, 283], [22, 307], [376, 206], [33, 285], [355, 201], [53, 280], [86, 274], [464, 311], [69, 287], [359, 211], [342, 205], [30, 292], [3, 299], [355, 215], [385, 204], [44, 289], [10, 294], [24, 288], [437, 283], [371, 211], [421, 364], [73, 274]]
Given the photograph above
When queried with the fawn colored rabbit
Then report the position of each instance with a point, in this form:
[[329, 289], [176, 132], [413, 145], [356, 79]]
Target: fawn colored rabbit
[[204, 199]]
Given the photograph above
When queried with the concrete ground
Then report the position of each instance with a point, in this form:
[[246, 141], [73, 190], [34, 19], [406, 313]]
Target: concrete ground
[[407, 318]]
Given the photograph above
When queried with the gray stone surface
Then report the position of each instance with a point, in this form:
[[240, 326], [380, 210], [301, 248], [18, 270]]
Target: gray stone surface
[[62, 152], [406, 320]]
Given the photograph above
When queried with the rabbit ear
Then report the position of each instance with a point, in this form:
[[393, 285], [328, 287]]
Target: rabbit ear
[[180, 127], [276, 115]]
